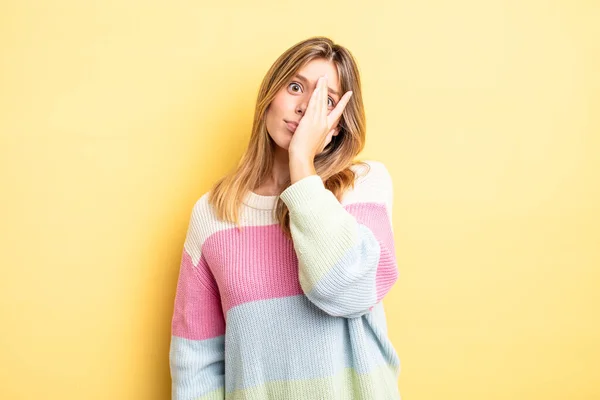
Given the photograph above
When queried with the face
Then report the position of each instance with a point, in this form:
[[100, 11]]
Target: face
[[291, 101]]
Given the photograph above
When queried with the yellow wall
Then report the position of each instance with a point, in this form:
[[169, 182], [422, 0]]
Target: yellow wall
[[116, 116]]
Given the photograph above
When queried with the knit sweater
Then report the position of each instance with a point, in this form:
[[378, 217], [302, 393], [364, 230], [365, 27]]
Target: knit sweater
[[260, 316]]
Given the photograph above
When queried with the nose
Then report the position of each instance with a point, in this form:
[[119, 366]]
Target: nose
[[303, 103], [301, 108]]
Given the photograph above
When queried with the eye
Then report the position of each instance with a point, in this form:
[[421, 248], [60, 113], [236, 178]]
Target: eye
[[292, 84]]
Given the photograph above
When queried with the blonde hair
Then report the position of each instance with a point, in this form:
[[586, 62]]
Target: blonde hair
[[332, 165]]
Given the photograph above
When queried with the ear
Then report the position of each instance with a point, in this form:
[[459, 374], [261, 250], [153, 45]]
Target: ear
[[336, 131]]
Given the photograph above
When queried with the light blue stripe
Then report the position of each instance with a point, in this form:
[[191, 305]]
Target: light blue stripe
[[196, 367], [349, 288], [291, 338]]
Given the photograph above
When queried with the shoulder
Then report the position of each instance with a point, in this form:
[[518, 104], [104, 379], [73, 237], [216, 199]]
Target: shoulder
[[204, 216], [203, 223], [202, 208], [374, 172], [373, 184]]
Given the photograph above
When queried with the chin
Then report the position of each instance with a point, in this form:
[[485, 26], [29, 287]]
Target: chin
[[283, 142]]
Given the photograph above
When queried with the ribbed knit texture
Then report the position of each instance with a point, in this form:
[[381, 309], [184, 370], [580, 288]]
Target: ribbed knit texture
[[259, 316]]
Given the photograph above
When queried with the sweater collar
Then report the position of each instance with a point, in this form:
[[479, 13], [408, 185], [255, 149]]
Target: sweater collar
[[259, 201]]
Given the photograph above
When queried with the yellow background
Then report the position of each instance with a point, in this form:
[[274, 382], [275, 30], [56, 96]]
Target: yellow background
[[115, 117]]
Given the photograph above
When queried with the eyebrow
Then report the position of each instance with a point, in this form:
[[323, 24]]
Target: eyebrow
[[302, 78]]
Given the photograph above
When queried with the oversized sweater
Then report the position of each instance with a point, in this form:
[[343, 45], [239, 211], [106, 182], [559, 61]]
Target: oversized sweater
[[260, 316]]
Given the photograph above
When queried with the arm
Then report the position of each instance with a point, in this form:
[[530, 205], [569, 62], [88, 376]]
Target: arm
[[346, 256], [197, 354]]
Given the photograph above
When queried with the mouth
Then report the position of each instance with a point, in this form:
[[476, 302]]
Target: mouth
[[291, 125]]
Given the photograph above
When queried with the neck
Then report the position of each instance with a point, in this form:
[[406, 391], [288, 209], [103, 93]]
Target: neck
[[273, 185]]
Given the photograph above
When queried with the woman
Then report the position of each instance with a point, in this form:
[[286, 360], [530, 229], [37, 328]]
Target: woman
[[288, 257]]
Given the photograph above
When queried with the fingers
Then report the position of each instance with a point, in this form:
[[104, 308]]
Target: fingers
[[324, 91], [314, 101], [318, 106], [336, 113], [321, 100]]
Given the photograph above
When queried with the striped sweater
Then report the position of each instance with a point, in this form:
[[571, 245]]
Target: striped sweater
[[259, 316]]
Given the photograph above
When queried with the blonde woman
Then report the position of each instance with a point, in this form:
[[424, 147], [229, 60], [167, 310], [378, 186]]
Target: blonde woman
[[288, 257]]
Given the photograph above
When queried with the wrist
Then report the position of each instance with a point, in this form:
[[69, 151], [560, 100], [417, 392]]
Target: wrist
[[299, 158], [300, 167]]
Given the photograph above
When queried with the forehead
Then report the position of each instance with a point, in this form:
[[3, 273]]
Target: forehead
[[314, 69]]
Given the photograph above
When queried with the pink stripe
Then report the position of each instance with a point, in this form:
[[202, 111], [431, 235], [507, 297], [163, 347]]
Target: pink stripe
[[256, 263], [197, 311], [259, 262], [375, 217]]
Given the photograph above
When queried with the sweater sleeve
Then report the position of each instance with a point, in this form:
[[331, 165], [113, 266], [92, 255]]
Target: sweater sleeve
[[197, 354], [346, 256]]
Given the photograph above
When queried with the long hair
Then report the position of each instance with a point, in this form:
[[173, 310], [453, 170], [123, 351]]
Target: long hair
[[332, 165]]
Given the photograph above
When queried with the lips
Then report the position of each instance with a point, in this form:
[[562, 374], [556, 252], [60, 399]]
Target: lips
[[291, 125]]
